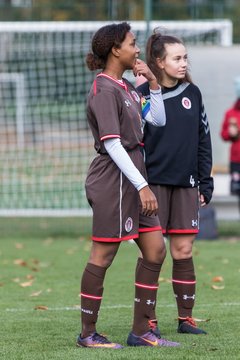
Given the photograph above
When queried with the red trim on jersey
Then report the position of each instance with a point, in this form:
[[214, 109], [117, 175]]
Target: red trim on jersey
[[186, 282], [182, 231], [145, 286], [121, 83], [94, 87], [124, 238], [93, 297], [149, 229], [105, 137]]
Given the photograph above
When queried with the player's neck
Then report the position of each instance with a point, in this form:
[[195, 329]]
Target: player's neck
[[169, 82], [113, 72]]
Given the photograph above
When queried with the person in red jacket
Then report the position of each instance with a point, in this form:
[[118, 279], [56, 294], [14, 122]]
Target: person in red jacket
[[230, 131]]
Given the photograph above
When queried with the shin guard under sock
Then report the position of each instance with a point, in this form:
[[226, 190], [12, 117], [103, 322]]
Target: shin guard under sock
[[184, 284], [146, 286], [91, 296]]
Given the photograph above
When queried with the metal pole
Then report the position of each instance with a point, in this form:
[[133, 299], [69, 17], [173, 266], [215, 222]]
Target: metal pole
[[148, 15]]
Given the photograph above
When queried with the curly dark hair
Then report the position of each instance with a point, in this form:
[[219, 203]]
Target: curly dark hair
[[103, 41]]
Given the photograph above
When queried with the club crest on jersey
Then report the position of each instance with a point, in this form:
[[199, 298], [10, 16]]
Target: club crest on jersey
[[129, 224], [135, 96], [186, 103]]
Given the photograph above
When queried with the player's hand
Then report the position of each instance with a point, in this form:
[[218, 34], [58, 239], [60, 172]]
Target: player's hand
[[149, 201], [141, 68], [202, 200]]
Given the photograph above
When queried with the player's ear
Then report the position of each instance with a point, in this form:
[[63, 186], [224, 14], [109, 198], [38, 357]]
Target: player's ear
[[115, 51], [160, 63]]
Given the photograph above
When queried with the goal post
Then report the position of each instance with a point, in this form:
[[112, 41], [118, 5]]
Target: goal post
[[46, 145]]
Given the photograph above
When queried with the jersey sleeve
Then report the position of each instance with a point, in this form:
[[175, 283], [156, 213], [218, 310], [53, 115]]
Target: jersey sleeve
[[153, 110], [106, 111], [205, 157]]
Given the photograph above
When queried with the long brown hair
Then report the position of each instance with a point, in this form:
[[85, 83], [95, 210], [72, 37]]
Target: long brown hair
[[156, 49]]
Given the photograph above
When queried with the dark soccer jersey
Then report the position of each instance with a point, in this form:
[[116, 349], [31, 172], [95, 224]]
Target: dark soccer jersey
[[114, 111], [180, 153]]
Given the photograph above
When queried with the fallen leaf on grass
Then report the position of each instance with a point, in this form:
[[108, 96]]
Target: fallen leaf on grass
[[34, 269], [36, 293], [41, 307], [35, 261], [26, 284], [217, 279], [18, 246], [215, 287], [20, 262], [30, 277]]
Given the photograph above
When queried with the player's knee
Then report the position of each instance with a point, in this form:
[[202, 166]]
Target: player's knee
[[182, 252], [103, 260], [158, 255]]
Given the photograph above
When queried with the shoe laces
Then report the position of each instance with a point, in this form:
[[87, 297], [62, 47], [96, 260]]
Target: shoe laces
[[152, 324], [191, 321], [100, 339]]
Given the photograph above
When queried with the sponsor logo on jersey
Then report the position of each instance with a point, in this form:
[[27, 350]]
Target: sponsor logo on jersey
[[186, 103], [129, 224], [127, 102], [135, 96]]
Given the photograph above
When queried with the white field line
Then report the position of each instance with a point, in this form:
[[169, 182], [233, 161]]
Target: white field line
[[117, 306]]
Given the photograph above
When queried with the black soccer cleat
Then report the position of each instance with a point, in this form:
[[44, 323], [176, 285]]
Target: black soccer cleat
[[189, 326]]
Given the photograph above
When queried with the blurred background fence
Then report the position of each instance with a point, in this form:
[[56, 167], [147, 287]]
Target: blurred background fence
[[46, 145], [102, 10]]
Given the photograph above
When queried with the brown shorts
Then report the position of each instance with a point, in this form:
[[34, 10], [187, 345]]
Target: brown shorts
[[178, 209], [115, 202]]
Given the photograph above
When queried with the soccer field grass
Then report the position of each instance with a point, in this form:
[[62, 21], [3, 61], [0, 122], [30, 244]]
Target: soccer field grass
[[39, 309]]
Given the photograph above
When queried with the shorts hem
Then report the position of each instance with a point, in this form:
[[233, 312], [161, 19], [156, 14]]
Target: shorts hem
[[181, 231], [111, 240], [150, 229]]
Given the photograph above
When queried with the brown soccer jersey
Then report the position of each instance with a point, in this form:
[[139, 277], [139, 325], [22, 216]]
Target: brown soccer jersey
[[114, 111]]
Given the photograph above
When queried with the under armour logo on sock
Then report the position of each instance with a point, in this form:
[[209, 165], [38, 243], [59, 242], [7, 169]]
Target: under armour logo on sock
[[186, 297], [149, 302]]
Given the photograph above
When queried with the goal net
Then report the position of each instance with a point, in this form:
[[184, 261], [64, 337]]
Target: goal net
[[46, 145]]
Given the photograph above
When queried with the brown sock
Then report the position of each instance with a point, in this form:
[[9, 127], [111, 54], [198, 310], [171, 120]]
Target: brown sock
[[184, 284], [91, 296], [146, 286], [153, 316]]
